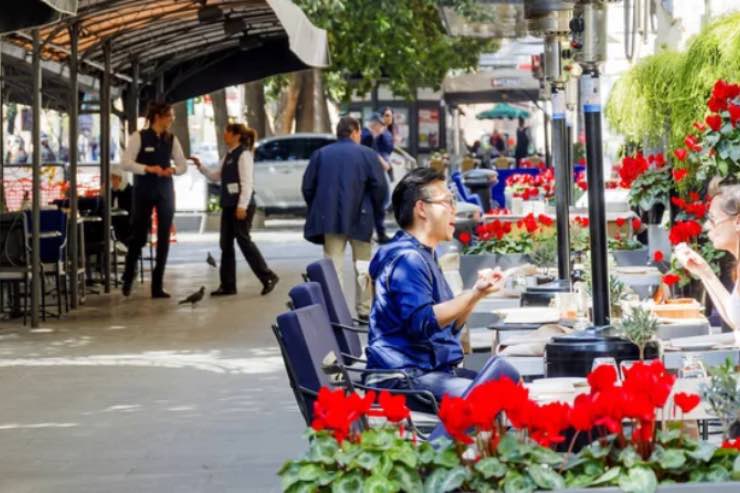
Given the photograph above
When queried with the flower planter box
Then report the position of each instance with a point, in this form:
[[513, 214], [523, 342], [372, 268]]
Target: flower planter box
[[728, 487], [471, 264], [626, 258]]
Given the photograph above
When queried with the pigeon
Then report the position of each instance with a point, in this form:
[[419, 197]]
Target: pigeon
[[211, 261], [194, 298]]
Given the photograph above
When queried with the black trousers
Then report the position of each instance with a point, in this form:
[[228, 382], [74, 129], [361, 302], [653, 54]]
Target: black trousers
[[233, 229], [144, 202]]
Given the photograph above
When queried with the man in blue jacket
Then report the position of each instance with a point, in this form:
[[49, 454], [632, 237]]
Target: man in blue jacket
[[415, 321], [343, 186]]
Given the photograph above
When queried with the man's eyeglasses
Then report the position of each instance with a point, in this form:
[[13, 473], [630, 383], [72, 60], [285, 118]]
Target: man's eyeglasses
[[449, 202]]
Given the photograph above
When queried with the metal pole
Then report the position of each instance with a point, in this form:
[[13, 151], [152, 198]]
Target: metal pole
[[569, 154], [562, 181], [160, 88], [36, 182], [548, 161], [74, 108], [133, 106], [456, 131], [105, 105], [596, 206], [2, 131]]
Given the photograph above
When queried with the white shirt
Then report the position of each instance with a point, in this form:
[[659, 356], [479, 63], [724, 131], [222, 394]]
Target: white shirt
[[246, 171], [733, 309], [128, 161]]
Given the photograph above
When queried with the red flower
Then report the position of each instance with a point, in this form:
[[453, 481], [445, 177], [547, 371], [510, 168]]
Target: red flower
[[456, 416], [602, 378], [693, 196], [686, 402], [678, 202], [732, 444], [691, 143], [530, 223], [617, 236], [621, 222], [680, 174], [734, 113], [336, 411], [680, 154], [659, 160], [684, 232], [583, 221], [631, 168], [671, 279], [658, 256], [545, 220], [714, 121], [582, 415], [465, 238], [636, 224], [699, 126], [486, 402], [394, 407]]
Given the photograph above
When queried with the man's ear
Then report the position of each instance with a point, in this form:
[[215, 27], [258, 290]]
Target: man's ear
[[419, 209]]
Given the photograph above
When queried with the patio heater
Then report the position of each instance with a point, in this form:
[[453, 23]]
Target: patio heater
[[551, 18]]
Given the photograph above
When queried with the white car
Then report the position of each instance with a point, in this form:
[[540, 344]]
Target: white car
[[279, 164]]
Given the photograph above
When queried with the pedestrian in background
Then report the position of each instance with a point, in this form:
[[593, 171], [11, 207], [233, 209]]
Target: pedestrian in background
[[343, 186]]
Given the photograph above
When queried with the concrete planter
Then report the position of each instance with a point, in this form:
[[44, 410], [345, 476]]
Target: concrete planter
[[728, 487], [626, 258], [471, 264]]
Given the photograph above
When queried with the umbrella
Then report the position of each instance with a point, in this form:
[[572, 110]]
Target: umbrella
[[24, 14], [501, 111]]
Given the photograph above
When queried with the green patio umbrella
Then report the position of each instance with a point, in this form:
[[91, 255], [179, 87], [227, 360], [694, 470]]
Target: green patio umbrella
[[501, 111]]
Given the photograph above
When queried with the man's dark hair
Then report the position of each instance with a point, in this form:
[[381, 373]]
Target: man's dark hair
[[409, 190], [346, 126]]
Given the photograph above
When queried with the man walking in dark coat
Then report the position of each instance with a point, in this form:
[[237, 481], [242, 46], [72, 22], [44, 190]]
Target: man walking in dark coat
[[343, 187]]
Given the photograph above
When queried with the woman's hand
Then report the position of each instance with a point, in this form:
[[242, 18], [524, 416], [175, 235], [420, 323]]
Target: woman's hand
[[196, 161], [489, 281], [692, 261], [154, 170], [241, 213]]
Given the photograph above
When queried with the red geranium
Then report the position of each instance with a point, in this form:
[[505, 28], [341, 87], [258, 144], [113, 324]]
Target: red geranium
[[632, 167], [671, 279], [679, 174], [691, 143], [658, 256], [680, 154], [545, 220], [735, 444], [714, 121], [465, 238], [621, 222], [734, 114], [582, 221], [684, 232], [636, 224], [686, 402]]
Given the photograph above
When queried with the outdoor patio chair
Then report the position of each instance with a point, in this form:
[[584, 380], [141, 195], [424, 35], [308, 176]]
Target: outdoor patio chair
[[305, 341], [15, 263], [347, 336], [462, 192], [53, 253], [323, 272]]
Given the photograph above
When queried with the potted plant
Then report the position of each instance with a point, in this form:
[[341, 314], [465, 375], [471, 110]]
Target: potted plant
[[650, 191], [627, 250], [503, 244], [639, 327], [500, 439]]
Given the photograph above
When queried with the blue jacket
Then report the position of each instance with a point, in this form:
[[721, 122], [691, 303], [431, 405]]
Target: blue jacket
[[404, 332], [343, 186]]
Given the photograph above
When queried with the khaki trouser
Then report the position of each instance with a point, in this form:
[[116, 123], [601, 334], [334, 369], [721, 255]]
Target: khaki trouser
[[334, 246]]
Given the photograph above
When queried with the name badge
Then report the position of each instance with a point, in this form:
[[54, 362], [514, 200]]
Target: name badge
[[149, 149], [232, 188]]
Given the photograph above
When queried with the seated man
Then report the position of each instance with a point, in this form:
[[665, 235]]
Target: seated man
[[415, 321]]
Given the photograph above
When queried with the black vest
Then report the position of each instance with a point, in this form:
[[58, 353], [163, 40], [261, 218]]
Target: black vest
[[154, 151], [230, 176]]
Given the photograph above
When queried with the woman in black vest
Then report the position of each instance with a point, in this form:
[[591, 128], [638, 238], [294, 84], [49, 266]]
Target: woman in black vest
[[149, 157], [237, 209]]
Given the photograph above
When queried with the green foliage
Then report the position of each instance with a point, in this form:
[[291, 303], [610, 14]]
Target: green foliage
[[639, 327], [652, 187], [544, 253], [723, 393], [401, 41], [664, 94]]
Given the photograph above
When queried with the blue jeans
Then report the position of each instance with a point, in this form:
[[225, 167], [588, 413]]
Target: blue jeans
[[459, 381]]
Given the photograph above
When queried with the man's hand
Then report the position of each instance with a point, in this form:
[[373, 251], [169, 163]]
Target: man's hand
[[167, 172], [241, 213], [154, 170], [489, 281], [196, 161]]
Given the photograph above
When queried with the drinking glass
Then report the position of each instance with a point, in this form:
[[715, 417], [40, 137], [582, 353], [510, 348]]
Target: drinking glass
[[692, 367]]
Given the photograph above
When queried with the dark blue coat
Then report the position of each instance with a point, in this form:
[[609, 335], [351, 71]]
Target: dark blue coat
[[342, 186]]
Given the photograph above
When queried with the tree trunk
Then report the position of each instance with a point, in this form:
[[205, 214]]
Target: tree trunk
[[254, 98], [287, 105], [180, 127], [220, 117], [312, 113]]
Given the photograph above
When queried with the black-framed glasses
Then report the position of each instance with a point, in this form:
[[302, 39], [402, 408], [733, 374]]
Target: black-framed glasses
[[713, 223], [449, 202]]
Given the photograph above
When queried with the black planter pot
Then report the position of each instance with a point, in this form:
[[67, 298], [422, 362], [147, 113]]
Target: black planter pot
[[653, 215]]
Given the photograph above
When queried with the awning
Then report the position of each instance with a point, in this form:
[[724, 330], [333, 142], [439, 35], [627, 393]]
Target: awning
[[194, 46], [490, 87], [24, 14], [502, 111]]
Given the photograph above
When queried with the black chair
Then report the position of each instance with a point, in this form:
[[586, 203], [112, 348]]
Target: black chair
[[53, 253], [305, 339], [347, 336], [15, 263]]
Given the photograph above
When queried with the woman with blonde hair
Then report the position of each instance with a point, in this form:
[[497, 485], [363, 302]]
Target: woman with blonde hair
[[723, 228], [236, 175]]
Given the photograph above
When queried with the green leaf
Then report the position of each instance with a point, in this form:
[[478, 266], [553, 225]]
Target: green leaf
[[426, 453], [717, 473], [668, 435], [379, 484], [348, 483], [516, 483], [672, 459], [289, 474], [736, 469], [444, 480], [302, 487], [405, 453], [378, 439], [491, 467], [638, 480], [408, 478], [509, 448], [609, 476], [367, 460], [542, 455], [323, 449], [447, 458], [629, 457], [546, 478], [479, 485], [596, 451], [310, 472], [704, 452]]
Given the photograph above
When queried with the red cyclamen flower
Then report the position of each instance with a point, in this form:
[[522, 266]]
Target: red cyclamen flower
[[686, 402]]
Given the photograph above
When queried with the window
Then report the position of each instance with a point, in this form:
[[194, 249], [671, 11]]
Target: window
[[292, 149]]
